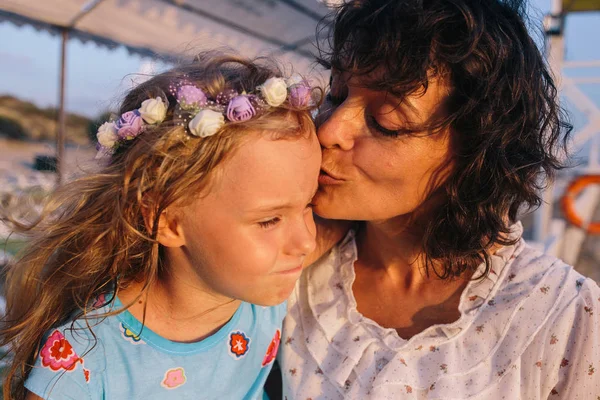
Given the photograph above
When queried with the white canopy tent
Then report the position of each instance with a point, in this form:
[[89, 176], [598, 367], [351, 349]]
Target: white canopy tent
[[551, 232], [174, 29]]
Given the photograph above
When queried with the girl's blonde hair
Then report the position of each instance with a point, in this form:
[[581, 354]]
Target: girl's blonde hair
[[91, 237]]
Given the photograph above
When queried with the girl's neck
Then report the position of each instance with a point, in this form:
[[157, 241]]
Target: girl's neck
[[179, 310]]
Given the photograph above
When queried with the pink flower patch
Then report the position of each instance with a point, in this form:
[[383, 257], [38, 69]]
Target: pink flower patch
[[100, 301], [58, 353], [272, 349], [174, 378]]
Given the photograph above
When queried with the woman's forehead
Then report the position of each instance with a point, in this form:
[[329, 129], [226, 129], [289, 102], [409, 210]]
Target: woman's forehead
[[379, 80]]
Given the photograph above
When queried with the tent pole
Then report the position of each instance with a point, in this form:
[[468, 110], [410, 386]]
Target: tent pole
[[554, 28], [60, 135]]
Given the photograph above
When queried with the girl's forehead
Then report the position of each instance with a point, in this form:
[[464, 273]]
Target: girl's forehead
[[263, 162]]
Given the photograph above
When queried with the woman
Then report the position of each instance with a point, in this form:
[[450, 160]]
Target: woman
[[443, 124]]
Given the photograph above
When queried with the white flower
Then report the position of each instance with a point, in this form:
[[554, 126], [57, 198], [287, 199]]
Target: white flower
[[274, 90], [206, 123], [153, 111], [107, 134], [294, 79]]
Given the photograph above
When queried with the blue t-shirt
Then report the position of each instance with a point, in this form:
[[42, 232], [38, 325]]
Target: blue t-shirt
[[233, 363]]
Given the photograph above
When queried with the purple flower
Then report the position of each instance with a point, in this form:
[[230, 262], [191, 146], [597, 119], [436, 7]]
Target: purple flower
[[189, 96], [129, 125], [300, 95], [240, 109]]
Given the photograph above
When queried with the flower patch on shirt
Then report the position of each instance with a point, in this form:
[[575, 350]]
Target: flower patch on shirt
[[174, 378], [239, 344], [129, 335], [272, 349], [100, 301], [58, 353]]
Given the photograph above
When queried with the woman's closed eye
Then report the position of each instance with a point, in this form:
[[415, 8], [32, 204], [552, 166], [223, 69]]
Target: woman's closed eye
[[373, 124]]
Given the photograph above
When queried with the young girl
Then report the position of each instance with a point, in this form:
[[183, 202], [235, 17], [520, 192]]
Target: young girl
[[162, 276]]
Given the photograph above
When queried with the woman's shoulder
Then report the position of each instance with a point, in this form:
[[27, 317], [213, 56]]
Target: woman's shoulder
[[534, 273]]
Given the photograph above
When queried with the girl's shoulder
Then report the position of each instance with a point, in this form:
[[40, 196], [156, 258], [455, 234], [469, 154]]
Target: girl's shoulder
[[69, 357], [98, 357]]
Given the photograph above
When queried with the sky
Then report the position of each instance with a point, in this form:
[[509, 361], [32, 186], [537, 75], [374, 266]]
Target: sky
[[29, 63]]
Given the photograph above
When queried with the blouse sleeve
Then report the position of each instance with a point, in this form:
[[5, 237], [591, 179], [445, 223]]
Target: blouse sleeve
[[578, 373]]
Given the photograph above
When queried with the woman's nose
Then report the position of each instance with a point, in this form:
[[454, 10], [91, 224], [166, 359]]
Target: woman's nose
[[337, 127]]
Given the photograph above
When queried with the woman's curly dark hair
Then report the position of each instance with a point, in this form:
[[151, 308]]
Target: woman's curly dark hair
[[508, 130]]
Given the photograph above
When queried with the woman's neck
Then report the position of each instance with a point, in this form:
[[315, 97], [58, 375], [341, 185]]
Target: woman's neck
[[391, 286], [394, 247], [179, 308]]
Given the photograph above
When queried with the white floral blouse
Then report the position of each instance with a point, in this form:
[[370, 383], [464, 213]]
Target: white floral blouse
[[529, 330]]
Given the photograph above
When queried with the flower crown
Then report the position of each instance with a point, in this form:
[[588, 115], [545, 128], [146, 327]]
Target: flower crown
[[200, 115]]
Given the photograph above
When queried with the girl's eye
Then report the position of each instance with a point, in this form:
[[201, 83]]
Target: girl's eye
[[373, 124], [269, 223]]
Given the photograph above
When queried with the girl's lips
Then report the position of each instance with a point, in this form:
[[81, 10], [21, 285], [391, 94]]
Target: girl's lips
[[294, 270]]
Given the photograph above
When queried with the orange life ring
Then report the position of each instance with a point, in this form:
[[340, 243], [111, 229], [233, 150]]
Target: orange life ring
[[568, 203]]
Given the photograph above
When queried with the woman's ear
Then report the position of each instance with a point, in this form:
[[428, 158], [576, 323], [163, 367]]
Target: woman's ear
[[169, 232]]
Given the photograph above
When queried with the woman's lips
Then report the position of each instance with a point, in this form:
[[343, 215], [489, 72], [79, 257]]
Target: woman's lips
[[326, 178]]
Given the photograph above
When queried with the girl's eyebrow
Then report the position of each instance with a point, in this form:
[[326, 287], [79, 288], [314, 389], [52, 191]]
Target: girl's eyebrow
[[280, 206], [271, 207]]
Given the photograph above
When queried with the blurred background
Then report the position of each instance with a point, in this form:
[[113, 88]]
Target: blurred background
[[64, 65]]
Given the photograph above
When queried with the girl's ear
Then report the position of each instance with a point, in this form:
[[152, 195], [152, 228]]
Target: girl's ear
[[169, 232]]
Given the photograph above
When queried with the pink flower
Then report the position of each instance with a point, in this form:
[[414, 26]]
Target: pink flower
[[129, 125], [239, 109], [189, 97], [174, 378], [100, 301], [272, 349], [300, 95], [58, 353]]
